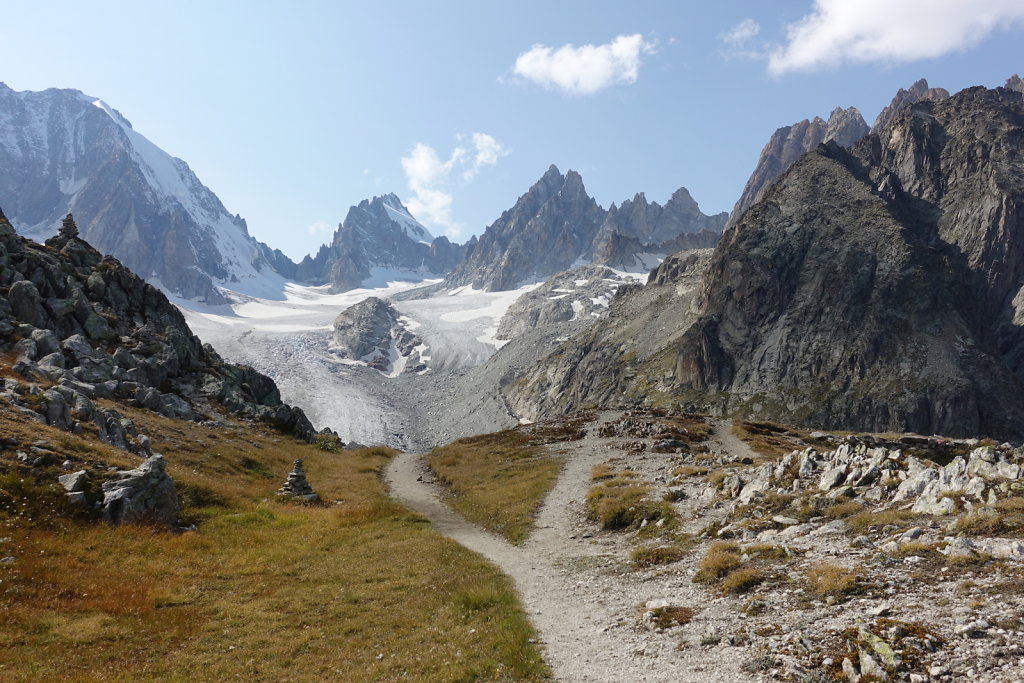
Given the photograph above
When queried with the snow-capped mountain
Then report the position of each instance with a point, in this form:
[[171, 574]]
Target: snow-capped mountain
[[379, 234], [62, 151]]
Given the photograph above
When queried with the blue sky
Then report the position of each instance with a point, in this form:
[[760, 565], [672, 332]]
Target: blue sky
[[291, 112]]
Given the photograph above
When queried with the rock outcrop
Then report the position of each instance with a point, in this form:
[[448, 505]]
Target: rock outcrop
[[876, 289], [373, 333], [89, 326], [622, 357], [556, 225], [789, 143], [379, 234], [1015, 82], [62, 151], [581, 294], [145, 494]]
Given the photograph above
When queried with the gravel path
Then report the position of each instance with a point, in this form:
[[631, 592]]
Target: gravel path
[[575, 585]]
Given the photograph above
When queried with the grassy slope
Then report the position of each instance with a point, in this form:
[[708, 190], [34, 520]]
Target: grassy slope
[[500, 480], [265, 590]]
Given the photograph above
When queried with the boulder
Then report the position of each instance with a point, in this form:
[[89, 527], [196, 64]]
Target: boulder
[[145, 494], [74, 482]]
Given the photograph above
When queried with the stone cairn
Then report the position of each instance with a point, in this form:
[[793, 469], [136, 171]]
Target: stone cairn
[[297, 485], [68, 228]]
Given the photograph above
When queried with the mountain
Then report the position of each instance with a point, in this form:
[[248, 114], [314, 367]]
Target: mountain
[[84, 327], [789, 143], [379, 233], [875, 288], [62, 151], [556, 225], [917, 92], [1015, 82]]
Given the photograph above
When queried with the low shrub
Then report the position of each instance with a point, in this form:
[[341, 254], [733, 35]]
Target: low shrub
[[830, 580], [652, 557], [722, 558], [742, 580]]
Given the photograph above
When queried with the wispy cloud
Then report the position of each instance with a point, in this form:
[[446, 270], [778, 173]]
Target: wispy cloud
[[432, 181], [319, 227], [841, 31], [739, 42], [587, 69]]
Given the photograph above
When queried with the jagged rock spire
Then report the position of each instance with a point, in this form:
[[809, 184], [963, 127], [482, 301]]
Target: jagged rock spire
[[68, 228], [297, 485]]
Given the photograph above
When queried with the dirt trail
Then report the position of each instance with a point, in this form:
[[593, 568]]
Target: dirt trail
[[576, 587]]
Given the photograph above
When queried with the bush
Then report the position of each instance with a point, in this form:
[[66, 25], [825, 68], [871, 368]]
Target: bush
[[652, 557], [673, 615], [742, 580], [830, 580], [723, 557], [330, 442]]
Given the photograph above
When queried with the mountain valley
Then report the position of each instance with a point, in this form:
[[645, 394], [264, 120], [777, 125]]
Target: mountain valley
[[638, 442]]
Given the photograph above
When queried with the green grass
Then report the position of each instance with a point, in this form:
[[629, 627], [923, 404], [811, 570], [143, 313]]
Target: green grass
[[500, 480], [356, 590]]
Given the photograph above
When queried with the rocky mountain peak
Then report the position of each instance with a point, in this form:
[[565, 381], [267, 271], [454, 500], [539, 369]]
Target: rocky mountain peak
[[1015, 82], [789, 143], [64, 151], [920, 90], [379, 233], [873, 287], [877, 286]]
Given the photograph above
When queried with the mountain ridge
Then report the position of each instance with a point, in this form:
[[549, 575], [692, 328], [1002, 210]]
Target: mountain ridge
[[62, 151]]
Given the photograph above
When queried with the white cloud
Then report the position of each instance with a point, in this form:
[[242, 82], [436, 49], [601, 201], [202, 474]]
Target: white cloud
[[586, 69], [838, 31], [741, 33], [738, 41], [318, 227], [432, 180]]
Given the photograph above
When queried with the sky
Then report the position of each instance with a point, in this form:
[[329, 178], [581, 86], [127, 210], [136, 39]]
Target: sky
[[292, 112]]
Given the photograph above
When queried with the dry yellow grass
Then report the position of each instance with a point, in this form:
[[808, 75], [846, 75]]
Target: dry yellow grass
[[500, 480], [362, 590], [831, 580], [621, 502]]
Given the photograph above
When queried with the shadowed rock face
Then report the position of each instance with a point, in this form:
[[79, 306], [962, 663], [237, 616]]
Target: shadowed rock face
[[556, 225], [872, 289], [789, 143], [878, 289]]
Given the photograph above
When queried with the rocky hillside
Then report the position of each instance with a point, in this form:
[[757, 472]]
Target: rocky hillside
[[379, 234], [789, 143], [62, 151], [625, 350], [557, 225], [78, 327], [876, 289]]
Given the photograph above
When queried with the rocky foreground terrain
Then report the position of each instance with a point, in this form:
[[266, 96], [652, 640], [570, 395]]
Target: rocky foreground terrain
[[78, 327], [677, 548]]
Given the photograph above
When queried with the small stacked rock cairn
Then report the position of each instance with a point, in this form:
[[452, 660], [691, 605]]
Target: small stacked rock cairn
[[297, 485]]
